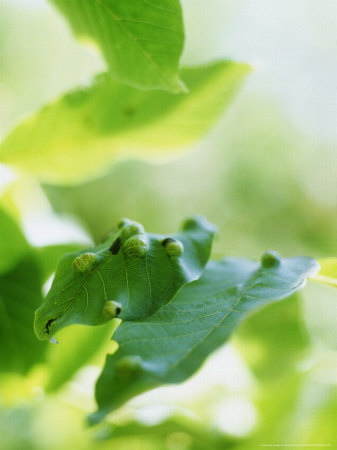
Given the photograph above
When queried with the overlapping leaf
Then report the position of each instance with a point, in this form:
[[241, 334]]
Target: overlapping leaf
[[141, 40], [82, 133], [170, 345], [131, 274]]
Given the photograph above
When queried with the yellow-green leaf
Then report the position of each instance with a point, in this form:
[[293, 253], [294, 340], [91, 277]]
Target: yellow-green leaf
[[328, 272], [81, 134]]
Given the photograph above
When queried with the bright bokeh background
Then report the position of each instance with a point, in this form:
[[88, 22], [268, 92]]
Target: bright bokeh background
[[266, 175]]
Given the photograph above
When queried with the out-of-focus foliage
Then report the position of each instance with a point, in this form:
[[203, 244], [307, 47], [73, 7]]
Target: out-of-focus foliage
[[273, 340], [328, 272], [13, 245], [81, 134], [77, 347], [20, 294], [142, 41]]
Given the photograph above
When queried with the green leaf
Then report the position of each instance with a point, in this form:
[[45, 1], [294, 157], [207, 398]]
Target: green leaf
[[328, 272], [20, 295], [13, 244], [170, 346], [82, 133], [130, 275], [141, 40]]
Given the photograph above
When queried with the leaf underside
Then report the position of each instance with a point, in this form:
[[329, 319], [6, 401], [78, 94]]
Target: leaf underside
[[141, 40], [81, 134], [170, 345]]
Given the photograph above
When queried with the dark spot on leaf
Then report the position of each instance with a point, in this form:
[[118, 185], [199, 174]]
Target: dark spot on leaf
[[116, 245], [129, 111], [48, 325], [88, 121], [167, 241]]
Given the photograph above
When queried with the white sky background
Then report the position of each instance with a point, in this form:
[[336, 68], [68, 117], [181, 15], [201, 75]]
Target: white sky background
[[292, 44]]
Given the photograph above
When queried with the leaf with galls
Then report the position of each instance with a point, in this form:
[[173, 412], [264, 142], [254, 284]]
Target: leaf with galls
[[84, 263], [136, 246], [170, 345], [132, 267], [173, 247]]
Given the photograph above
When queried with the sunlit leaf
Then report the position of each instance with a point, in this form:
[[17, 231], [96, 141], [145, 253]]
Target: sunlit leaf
[[328, 272], [82, 133], [170, 345], [130, 275], [141, 40], [20, 295]]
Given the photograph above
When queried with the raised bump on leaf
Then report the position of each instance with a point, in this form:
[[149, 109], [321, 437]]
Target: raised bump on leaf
[[84, 263], [173, 246], [130, 230], [136, 246], [129, 365], [112, 309], [270, 259]]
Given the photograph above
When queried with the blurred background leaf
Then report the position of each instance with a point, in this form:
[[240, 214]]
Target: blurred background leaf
[[82, 133], [13, 245], [20, 295], [328, 272]]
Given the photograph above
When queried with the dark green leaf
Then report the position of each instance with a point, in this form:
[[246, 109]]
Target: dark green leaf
[[130, 275], [13, 245], [141, 40], [170, 346], [20, 295], [81, 134]]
